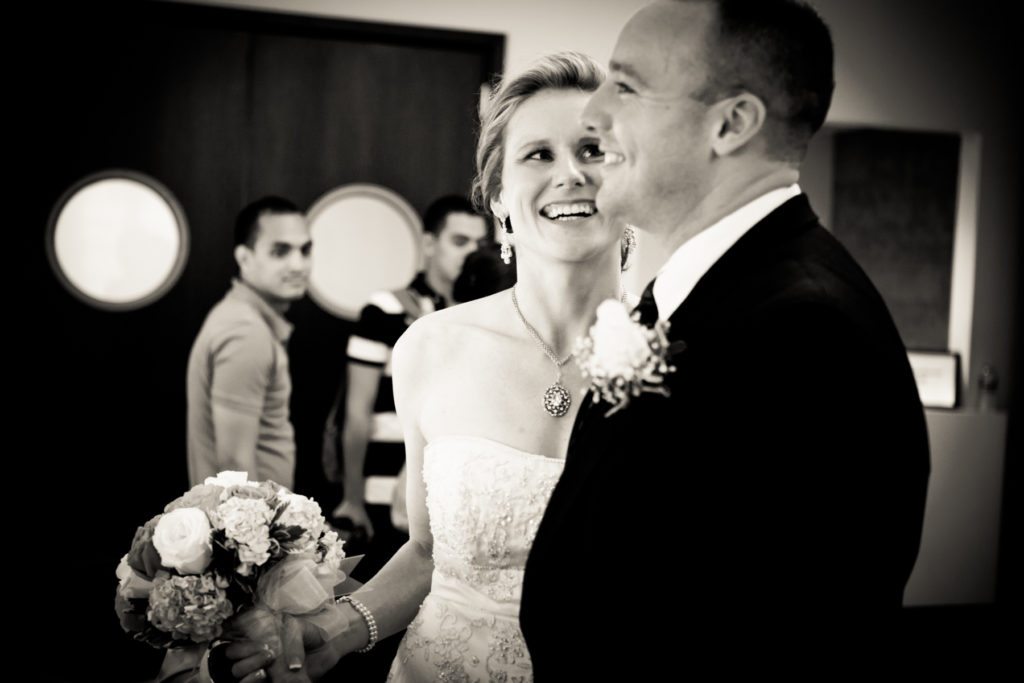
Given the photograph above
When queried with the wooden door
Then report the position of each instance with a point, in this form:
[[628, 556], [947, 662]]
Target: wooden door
[[221, 106]]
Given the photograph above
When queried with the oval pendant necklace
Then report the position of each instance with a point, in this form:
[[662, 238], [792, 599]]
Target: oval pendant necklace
[[557, 398]]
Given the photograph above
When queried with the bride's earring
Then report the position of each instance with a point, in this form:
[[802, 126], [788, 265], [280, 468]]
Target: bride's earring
[[506, 246], [628, 245]]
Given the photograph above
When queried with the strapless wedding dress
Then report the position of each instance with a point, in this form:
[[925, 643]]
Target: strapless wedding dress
[[486, 501]]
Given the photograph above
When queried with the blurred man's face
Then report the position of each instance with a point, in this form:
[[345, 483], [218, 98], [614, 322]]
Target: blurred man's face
[[278, 264], [461, 235]]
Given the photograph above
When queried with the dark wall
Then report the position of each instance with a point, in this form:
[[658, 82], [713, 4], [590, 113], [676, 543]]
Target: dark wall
[[221, 106], [894, 208]]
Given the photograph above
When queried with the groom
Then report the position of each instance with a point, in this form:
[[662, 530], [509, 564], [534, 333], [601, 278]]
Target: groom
[[775, 498]]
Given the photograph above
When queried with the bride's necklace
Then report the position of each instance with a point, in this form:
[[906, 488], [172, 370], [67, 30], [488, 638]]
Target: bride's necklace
[[557, 398]]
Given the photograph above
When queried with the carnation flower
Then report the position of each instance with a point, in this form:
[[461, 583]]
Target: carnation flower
[[331, 549], [246, 523], [302, 512]]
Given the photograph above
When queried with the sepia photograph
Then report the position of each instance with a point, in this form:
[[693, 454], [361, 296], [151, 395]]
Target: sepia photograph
[[536, 341]]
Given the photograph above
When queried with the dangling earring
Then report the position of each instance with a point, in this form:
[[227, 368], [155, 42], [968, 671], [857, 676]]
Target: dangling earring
[[506, 246], [628, 246]]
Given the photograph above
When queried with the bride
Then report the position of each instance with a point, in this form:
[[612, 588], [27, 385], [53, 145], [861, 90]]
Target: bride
[[487, 394]]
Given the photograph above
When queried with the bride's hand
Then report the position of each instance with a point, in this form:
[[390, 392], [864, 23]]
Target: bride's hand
[[319, 656], [266, 645], [299, 654]]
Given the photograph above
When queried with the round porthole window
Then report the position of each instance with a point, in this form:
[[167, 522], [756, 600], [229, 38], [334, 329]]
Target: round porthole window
[[118, 240], [365, 238]]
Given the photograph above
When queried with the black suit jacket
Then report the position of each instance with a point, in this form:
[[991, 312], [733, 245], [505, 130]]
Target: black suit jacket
[[775, 496]]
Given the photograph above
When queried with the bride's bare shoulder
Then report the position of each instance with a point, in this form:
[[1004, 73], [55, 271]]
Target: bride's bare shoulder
[[480, 313], [441, 334]]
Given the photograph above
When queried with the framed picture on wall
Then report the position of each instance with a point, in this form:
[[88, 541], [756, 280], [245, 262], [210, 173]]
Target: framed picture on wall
[[936, 374], [904, 203]]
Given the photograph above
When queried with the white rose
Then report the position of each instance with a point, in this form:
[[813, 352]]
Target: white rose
[[182, 537], [230, 478], [620, 344]]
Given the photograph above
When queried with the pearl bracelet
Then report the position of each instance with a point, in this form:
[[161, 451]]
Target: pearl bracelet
[[371, 623]]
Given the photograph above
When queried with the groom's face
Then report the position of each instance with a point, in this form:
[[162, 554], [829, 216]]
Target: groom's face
[[655, 135]]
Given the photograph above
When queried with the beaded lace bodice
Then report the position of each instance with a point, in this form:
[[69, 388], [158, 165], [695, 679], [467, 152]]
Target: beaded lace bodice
[[485, 501]]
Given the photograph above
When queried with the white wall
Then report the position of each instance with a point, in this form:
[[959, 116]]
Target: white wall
[[532, 27], [958, 558], [918, 64]]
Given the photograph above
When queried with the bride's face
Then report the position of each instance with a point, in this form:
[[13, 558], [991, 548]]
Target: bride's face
[[550, 177]]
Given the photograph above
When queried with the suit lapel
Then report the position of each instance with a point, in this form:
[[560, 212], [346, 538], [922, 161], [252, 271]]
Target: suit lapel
[[586, 406], [786, 223]]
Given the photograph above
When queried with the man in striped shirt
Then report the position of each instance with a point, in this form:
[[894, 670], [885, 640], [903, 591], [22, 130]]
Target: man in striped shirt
[[372, 445]]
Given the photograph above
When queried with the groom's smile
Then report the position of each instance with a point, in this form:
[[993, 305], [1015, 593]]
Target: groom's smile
[[612, 158]]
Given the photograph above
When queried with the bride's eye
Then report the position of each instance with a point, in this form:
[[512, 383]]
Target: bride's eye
[[591, 153]]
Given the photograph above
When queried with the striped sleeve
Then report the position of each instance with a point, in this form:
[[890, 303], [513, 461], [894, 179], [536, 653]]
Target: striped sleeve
[[367, 351], [381, 323]]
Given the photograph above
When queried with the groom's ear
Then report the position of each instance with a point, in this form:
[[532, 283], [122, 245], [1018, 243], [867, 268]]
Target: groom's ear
[[739, 119]]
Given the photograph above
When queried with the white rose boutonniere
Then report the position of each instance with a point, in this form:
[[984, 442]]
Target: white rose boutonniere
[[621, 358]]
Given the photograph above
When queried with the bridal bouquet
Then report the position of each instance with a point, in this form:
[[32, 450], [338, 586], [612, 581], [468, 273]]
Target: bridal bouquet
[[226, 545]]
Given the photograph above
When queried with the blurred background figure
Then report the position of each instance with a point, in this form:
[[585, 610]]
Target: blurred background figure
[[238, 381], [484, 274], [372, 454]]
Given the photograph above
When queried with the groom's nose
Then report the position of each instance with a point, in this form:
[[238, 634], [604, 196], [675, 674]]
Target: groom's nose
[[570, 172], [595, 115]]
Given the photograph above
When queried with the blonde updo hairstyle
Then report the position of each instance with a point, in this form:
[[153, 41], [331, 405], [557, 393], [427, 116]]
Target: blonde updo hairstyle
[[559, 71]]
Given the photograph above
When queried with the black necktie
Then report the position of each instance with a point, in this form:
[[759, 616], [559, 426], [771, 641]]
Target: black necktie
[[648, 307]]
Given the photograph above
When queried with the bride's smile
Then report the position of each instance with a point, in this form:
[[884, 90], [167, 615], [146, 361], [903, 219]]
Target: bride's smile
[[550, 179]]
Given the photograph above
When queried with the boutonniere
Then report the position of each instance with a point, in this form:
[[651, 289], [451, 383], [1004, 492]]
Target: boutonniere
[[621, 358]]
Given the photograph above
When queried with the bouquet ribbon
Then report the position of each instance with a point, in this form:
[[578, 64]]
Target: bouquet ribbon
[[298, 586]]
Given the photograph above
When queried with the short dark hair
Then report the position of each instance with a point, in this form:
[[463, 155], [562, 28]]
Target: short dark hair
[[781, 51], [247, 221], [439, 210], [483, 274]]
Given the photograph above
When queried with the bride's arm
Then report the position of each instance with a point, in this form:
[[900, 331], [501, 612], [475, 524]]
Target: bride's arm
[[394, 595]]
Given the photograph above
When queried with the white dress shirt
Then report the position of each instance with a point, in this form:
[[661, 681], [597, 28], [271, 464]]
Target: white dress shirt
[[695, 257]]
